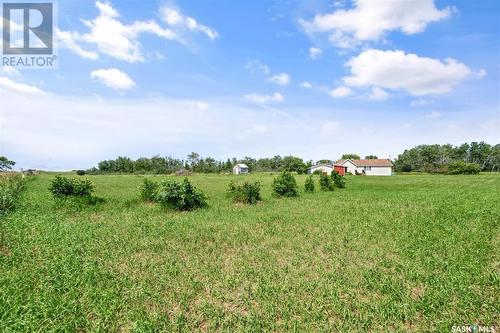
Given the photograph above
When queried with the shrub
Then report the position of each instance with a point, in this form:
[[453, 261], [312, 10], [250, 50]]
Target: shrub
[[285, 185], [247, 193], [309, 184], [11, 187], [80, 172], [338, 180], [326, 183], [180, 196], [463, 168], [149, 190], [62, 187]]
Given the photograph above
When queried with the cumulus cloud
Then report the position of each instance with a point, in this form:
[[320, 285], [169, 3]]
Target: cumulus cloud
[[281, 79], [10, 85], [113, 78], [265, 99], [340, 92], [405, 71], [370, 20], [174, 18], [421, 102], [314, 52], [378, 94], [110, 36], [306, 85]]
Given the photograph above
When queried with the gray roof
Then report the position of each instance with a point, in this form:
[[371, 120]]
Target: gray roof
[[241, 165]]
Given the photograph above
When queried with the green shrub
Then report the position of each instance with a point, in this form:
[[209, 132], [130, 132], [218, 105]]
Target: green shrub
[[463, 168], [63, 187], [180, 196], [149, 190], [338, 180], [11, 187], [285, 185], [309, 184], [248, 193], [326, 183], [80, 172]]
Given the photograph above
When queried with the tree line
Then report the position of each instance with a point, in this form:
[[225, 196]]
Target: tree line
[[423, 158], [435, 158]]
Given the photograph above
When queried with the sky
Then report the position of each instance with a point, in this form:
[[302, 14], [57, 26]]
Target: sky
[[314, 79]]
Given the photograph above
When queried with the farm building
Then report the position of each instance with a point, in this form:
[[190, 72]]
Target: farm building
[[375, 167], [240, 168], [323, 168]]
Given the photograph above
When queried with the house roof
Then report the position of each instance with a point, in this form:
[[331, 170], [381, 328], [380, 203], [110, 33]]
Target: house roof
[[241, 165], [320, 165], [380, 162]]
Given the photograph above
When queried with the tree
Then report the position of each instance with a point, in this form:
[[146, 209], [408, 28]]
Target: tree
[[350, 157], [193, 159], [5, 163], [371, 157]]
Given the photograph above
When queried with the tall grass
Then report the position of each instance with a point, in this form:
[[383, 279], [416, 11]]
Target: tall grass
[[11, 187]]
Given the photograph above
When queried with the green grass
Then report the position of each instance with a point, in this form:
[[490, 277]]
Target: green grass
[[403, 253]]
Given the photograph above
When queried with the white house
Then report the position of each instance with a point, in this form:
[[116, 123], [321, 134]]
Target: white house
[[240, 168], [375, 167], [323, 168]]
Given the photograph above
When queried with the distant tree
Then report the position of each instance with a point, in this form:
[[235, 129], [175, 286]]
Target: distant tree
[[371, 157], [193, 159], [324, 162], [350, 157], [5, 163]]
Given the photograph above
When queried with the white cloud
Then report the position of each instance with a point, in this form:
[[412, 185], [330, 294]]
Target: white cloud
[[10, 71], [329, 128], [370, 20], [9, 85], [112, 37], [314, 52], [174, 18], [421, 102], [113, 78], [406, 71], [306, 85], [378, 94], [433, 115], [281, 79], [67, 40], [255, 65], [265, 99], [340, 92]]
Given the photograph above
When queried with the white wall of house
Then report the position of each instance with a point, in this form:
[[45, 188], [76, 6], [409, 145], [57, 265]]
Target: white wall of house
[[369, 170], [351, 167], [377, 171], [322, 168]]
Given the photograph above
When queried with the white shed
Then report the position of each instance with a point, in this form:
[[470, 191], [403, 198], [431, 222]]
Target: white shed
[[323, 168], [374, 167], [240, 168]]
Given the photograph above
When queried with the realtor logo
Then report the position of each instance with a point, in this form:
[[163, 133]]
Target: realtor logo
[[28, 34]]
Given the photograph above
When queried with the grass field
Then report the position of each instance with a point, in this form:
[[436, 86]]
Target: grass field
[[403, 253]]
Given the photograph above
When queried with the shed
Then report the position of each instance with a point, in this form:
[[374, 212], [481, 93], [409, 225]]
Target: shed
[[322, 167], [240, 168]]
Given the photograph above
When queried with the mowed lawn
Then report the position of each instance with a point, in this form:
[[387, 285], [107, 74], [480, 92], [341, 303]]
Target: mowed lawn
[[402, 253]]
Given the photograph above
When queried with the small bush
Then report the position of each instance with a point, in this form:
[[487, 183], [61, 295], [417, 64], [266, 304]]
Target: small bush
[[309, 184], [463, 168], [247, 193], [180, 196], [285, 185], [338, 180], [80, 172], [149, 190], [326, 183], [11, 187], [62, 187]]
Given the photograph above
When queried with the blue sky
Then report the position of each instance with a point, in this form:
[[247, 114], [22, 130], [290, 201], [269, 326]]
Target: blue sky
[[255, 78]]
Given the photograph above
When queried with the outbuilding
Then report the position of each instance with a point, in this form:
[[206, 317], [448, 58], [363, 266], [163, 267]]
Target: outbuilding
[[240, 168], [323, 168]]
